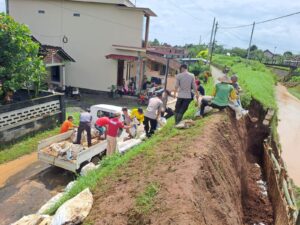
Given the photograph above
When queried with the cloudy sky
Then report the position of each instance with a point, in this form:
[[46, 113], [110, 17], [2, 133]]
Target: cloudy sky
[[181, 22]]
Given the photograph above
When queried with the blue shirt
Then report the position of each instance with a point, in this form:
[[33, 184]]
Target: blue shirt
[[85, 117]]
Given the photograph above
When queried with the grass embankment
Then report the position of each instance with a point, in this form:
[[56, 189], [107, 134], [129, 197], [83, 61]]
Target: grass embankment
[[295, 91], [256, 80], [25, 146], [110, 164]]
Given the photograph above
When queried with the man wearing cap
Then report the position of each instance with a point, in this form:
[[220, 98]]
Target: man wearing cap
[[85, 124], [113, 126], [152, 113], [185, 82], [222, 92]]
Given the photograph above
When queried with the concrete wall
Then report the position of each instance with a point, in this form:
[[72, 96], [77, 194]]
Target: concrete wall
[[90, 36], [23, 118]]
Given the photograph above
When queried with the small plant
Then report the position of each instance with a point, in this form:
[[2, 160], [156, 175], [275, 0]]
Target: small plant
[[145, 201]]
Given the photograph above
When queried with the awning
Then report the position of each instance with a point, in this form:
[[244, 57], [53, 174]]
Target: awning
[[122, 57]]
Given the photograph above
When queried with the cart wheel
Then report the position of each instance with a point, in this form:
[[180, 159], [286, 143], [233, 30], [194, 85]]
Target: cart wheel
[[95, 160]]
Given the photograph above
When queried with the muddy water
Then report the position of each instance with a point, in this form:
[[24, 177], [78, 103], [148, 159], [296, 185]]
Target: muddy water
[[289, 130], [11, 168]]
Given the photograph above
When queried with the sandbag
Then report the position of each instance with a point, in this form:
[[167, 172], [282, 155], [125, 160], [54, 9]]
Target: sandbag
[[87, 168], [50, 203], [34, 219], [75, 210]]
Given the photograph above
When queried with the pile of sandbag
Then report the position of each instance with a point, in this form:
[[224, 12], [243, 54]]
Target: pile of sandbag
[[64, 150]]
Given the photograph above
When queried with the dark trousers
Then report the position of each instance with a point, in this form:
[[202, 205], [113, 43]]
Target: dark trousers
[[205, 103], [168, 113], [149, 129], [181, 106], [87, 127]]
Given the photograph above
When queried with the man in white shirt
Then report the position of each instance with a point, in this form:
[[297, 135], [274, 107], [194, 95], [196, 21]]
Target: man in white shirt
[[152, 113]]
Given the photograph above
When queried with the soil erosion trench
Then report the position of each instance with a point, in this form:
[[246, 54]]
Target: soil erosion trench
[[212, 177]]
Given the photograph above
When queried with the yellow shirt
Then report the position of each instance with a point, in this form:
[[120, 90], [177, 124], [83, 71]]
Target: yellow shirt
[[137, 115]]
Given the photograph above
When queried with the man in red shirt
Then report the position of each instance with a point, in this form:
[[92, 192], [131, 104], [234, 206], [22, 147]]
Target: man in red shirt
[[100, 125], [113, 127]]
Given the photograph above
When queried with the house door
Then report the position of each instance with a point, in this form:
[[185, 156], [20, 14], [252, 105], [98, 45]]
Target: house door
[[120, 72]]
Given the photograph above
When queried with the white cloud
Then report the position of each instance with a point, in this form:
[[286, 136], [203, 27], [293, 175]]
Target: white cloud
[[181, 22]]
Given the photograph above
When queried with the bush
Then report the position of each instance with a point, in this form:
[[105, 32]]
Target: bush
[[20, 65]]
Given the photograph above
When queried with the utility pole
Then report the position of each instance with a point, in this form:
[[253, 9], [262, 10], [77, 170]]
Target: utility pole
[[213, 43], [200, 40], [7, 7], [248, 54], [211, 37]]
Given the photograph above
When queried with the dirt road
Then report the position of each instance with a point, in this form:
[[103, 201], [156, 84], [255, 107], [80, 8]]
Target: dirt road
[[289, 130]]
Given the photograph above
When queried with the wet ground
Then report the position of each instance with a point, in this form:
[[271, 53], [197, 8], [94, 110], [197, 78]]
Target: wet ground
[[289, 130], [26, 191]]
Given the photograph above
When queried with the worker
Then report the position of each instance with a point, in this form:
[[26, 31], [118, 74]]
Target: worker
[[67, 125], [138, 114], [113, 127], [127, 121], [152, 114], [185, 82], [222, 92], [85, 124], [100, 126]]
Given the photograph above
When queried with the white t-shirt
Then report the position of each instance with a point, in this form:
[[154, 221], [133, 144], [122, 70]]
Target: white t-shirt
[[154, 105]]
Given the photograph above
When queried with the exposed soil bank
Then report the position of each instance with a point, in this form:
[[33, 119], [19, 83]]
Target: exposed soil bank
[[205, 176]]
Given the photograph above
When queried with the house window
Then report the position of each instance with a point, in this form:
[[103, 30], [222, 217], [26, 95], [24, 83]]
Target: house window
[[76, 14], [163, 70], [55, 73], [41, 11]]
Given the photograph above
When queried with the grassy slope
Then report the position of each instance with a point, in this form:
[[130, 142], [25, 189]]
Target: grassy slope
[[295, 91], [256, 80], [110, 164]]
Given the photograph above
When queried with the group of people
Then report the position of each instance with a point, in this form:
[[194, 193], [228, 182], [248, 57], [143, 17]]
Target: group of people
[[187, 88], [226, 94]]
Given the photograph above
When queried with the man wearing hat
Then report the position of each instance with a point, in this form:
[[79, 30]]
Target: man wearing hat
[[152, 113], [85, 124], [222, 92]]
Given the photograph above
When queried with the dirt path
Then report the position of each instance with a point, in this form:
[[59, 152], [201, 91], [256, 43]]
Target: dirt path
[[289, 130], [11, 168]]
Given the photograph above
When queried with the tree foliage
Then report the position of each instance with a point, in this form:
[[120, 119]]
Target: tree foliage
[[20, 65]]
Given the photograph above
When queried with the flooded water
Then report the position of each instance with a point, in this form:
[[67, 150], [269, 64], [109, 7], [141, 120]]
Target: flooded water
[[289, 131]]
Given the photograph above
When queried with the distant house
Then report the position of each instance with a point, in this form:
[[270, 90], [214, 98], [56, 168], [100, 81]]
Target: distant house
[[157, 62], [104, 39], [268, 54]]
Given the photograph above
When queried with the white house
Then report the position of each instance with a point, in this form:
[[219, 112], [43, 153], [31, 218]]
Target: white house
[[106, 38]]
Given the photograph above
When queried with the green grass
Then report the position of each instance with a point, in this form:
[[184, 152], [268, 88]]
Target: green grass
[[75, 115], [256, 80], [110, 164], [26, 146], [145, 201], [297, 196], [295, 91]]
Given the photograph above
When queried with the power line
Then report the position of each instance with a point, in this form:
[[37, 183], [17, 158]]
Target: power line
[[260, 22]]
